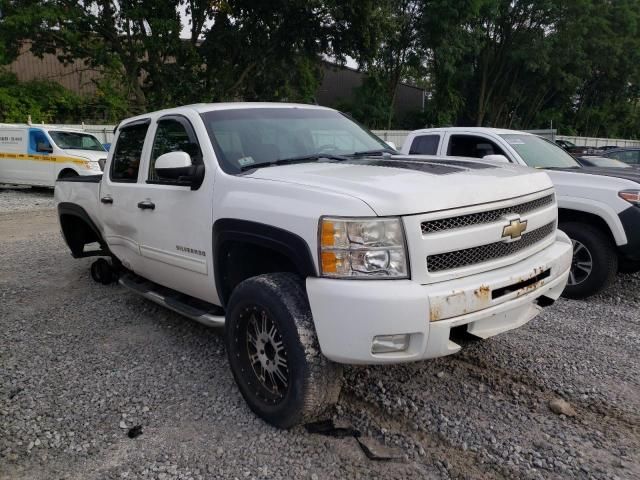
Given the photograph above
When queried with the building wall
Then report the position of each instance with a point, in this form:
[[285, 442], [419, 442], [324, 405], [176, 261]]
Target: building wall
[[337, 84], [76, 77]]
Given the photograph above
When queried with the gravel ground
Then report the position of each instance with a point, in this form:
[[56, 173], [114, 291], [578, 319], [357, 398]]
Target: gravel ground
[[81, 364]]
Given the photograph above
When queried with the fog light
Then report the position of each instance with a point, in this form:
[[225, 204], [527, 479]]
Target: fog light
[[390, 343]]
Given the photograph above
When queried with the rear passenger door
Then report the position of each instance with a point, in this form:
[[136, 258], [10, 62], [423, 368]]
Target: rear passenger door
[[119, 194]]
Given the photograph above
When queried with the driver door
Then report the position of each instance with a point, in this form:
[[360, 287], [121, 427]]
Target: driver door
[[176, 224]]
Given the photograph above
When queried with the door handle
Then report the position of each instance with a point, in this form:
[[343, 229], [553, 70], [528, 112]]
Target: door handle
[[146, 205], [107, 200]]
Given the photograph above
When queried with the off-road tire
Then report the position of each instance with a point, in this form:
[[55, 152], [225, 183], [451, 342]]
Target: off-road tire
[[604, 259], [314, 382]]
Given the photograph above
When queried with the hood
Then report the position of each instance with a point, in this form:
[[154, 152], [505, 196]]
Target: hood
[[91, 155], [631, 174], [407, 185]]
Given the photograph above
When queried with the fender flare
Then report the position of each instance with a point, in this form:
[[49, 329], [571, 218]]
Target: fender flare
[[284, 242], [599, 209], [71, 209]]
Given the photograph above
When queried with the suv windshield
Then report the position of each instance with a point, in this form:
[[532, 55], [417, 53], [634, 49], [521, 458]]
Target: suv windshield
[[540, 153], [249, 137], [75, 140]]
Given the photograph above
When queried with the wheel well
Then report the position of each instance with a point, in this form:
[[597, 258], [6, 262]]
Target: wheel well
[[566, 215], [237, 261], [67, 172], [77, 233]]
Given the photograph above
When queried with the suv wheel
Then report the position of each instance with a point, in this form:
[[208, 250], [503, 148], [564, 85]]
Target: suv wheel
[[595, 261], [274, 353]]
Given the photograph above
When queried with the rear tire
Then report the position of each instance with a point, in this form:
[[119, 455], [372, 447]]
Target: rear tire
[[274, 353], [595, 260], [102, 272]]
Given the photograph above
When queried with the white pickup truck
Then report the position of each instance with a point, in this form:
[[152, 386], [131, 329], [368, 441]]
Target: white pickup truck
[[599, 208], [296, 229]]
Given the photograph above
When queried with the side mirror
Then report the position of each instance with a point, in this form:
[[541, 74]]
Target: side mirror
[[392, 145], [496, 158], [44, 147], [177, 167]]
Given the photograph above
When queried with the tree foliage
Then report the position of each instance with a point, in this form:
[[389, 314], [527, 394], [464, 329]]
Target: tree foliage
[[506, 63]]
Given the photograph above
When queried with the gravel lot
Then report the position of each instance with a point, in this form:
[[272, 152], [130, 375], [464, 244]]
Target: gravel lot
[[80, 364]]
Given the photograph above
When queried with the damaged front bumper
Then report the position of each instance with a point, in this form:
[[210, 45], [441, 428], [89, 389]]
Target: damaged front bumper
[[349, 315]]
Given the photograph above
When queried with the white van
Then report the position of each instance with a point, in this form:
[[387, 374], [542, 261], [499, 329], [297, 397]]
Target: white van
[[39, 155]]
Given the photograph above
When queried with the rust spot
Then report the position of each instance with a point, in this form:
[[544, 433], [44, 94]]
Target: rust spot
[[435, 313], [483, 292]]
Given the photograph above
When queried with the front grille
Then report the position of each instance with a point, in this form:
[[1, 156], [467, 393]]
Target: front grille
[[472, 256], [450, 223]]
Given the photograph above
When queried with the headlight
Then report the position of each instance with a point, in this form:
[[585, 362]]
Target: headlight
[[631, 196], [362, 248]]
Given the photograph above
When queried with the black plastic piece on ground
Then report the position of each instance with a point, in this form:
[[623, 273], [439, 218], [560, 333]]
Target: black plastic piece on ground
[[328, 428], [135, 431]]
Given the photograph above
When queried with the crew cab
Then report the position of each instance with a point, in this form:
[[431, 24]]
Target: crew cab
[[313, 243], [599, 208], [38, 155]]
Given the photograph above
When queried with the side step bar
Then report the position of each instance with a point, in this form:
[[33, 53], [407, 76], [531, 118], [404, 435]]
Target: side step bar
[[193, 308]]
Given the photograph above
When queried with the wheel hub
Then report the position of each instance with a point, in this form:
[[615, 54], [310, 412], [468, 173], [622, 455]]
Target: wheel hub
[[267, 354], [581, 263]]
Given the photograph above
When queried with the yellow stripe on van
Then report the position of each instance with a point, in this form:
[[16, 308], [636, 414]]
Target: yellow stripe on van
[[44, 158]]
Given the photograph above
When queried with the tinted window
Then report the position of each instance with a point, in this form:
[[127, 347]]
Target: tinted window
[[425, 145], [173, 136], [253, 136], [128, 152], [472, 146]]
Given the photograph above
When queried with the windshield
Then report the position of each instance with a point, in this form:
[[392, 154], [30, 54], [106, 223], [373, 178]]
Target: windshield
[[540, 153], [604, 162], [250, 137], [76, 140]]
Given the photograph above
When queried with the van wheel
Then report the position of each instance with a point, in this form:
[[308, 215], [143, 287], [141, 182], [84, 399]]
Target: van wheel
[[274, 354], [67, 173], [595, 261]]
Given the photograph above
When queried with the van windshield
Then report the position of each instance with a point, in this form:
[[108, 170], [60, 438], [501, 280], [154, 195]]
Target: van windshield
[[253, 137], [76, 140]]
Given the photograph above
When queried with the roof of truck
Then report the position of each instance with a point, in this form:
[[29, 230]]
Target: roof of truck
[[209, 107], [497, 131]]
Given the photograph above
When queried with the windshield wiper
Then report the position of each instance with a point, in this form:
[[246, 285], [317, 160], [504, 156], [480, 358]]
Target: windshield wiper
[[379, 151], [291, 160]]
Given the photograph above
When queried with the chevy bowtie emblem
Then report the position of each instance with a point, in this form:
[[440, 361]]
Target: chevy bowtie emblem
[[514, 229]]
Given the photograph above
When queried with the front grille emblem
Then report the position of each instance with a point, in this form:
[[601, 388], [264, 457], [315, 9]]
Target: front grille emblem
[[514, 230]]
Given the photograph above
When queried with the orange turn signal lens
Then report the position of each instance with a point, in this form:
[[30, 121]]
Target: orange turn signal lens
[[329, 262], [328, 234]]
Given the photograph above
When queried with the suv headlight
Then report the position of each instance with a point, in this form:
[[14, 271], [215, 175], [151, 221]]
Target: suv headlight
[[362, 248], [631, 196]]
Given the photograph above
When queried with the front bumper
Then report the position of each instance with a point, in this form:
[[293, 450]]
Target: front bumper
[[348, 314]]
